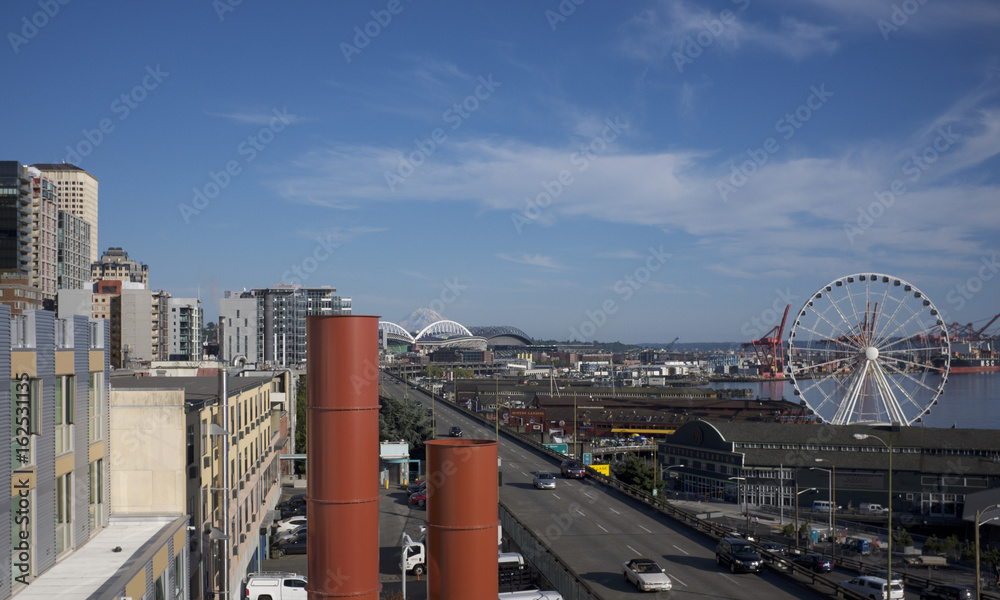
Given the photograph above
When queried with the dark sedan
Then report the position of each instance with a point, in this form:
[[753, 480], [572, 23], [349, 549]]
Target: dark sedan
[[294, 545], [817, 562]]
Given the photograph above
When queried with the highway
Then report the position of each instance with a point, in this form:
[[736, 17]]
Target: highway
[[595, 530]]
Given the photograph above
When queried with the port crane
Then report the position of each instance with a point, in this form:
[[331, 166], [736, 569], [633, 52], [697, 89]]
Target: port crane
[[770, 350], [968, 333]]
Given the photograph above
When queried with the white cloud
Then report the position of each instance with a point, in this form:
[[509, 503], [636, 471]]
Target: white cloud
[[256, 118], [534, 260]]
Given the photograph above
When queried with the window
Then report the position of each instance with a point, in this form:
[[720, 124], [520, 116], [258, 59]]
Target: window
[[64, 513], [26, 424], [65, 396], [96, 495], [179, 576], [96, 404]]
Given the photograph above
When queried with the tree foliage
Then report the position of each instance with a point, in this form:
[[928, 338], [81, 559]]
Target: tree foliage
[[300, 415], [406, 421], [635, 472]]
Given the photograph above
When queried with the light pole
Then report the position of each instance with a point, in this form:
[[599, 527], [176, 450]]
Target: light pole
[[979, 514], [745, 511], [665, 469], [864, 436], [797, 492], [833, 495], [576, 436]]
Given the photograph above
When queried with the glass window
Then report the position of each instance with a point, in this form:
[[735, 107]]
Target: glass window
[[26, 423]]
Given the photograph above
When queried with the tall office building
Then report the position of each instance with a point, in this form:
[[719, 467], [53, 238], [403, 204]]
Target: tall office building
[[184, 321], [115, 264], [76, 193], [15, 216], [73, 256], [44, 234], [278, 322]]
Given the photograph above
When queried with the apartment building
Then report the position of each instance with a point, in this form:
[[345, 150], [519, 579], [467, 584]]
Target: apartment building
[[184, 322], [76, 193], [208, 447], [277, 322], [44, 234], [116, 265], [75, 240]]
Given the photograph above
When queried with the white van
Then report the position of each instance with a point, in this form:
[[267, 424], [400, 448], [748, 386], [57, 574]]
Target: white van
[[822, 506], [510, 561], [875, 587], [531, 595], [873, 509]]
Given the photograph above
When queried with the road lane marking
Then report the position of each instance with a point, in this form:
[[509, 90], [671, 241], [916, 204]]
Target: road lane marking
[[581, 512], [602, 528], [590, 496], [644, 529], [555, 496], [633, 549], [615, 511], [674, 577], [680, 549], [728, 577], [525, 474]]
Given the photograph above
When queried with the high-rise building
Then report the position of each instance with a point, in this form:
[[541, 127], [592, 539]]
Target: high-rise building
[[73, 255], [115, 264], [44, 234], [184, 321], [76, 193], [278, 322], [15, 216]]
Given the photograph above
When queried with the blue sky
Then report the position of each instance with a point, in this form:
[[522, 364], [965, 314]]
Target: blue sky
[[631, 171]]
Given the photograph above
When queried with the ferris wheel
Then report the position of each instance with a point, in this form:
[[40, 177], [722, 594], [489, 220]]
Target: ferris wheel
[[868, 348]]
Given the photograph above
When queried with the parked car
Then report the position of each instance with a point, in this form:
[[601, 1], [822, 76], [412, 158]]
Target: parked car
[[545, 480], [288, 524], [292, 502], [419, 498], [817, 562], [646, 575], [296, 545], [288, 534], [739, 555], [949, 592], [417, 485], [573, 469], [875, 588], [455, 431], [296, 511], [276, 586]]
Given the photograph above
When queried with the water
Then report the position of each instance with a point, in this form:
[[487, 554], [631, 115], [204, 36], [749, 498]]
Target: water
[[969, 401]]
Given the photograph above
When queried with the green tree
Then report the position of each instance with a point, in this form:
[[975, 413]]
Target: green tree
[[635, 472], [406, 421], [300, 416], [432, 371]]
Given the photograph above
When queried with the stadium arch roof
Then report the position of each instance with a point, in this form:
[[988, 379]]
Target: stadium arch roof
[[502, 335]]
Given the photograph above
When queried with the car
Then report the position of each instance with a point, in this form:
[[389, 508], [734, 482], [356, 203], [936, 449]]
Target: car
[[573, 469], [949, 592], [289, 512], [276, 585], [739, 534], [884, 574], [455, 431], [739, 555], [774, 548], [288, 524], [419, 498], [874, 587], [416, 486], [817, 562], [296, 545], [288, 534], [291, 503], [545, 480], [646, 575]]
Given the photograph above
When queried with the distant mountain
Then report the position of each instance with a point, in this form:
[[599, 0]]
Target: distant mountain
[[418, 319]]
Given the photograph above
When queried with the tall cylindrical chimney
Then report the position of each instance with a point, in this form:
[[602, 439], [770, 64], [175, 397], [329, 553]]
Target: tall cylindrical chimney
[[462, 519], [342, 453]]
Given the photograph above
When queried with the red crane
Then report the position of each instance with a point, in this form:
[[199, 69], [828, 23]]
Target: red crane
[[769, 350], [968, 333]]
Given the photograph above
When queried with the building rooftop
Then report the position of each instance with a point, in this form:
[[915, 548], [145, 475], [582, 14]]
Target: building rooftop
[[95, 570], [196, 389]]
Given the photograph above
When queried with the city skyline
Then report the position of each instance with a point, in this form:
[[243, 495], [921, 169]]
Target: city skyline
[[635, 173]]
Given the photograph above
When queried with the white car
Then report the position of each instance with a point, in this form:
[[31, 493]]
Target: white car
[[288, 524], [646, 575], [874, 587], [545, 481], [287, 534]]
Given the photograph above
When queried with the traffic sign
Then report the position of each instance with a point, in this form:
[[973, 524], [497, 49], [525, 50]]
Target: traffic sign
[[588, 458]]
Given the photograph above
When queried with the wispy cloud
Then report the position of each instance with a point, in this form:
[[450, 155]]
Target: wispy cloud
[[534, 260], [262, 118], [654, 35], [627, 254]]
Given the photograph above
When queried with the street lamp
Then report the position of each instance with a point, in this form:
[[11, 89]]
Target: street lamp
[[831, 473], [746, 512], [864, 436], [979, 514], [797, 493]]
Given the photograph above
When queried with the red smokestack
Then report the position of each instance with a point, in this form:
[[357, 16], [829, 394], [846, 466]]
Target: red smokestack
[[342, 451], [462, 519]]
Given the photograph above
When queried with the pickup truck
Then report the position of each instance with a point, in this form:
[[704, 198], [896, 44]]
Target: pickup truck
[[275, 585], [927, 561]]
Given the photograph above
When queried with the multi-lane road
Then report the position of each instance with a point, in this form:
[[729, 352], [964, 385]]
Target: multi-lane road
[[594, 530]]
